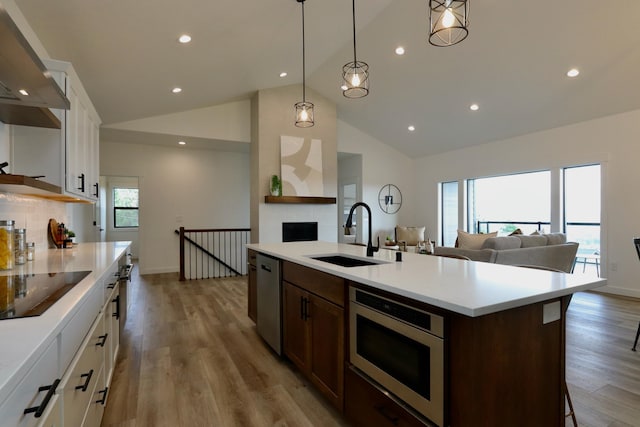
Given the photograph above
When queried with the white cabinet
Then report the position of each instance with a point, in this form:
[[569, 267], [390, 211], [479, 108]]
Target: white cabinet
[[68, 384], [79, 382], [66, 157], [33, 396], [111, 312]]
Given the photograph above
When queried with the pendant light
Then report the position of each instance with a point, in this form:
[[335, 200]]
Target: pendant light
[[355, 75], [304, 109], [449, 21]]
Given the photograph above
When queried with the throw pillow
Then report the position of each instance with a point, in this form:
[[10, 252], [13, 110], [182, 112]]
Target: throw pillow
[[531, 241], [555, 238], [410, 235], [500, 243], [473, 241]]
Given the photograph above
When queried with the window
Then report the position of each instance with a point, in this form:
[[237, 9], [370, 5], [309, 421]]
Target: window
[[506, 203], [449, 206], [582, 207], [125, 207]]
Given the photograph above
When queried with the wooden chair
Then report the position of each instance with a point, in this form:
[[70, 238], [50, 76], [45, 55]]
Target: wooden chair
[[565, 389]]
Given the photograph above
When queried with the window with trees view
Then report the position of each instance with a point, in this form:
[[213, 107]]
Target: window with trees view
[[125, 207]]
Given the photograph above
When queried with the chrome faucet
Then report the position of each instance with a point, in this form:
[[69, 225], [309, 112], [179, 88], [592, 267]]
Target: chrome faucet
[[370, 248]]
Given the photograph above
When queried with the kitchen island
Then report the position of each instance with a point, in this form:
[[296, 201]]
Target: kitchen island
[[502, 336], [43, 351]]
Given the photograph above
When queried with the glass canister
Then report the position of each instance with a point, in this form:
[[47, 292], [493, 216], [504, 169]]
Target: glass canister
[[6, 244], [7, 297], [31, 251], [20, 245]]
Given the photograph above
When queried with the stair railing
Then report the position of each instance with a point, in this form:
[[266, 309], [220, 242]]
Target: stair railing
[[213, 252]]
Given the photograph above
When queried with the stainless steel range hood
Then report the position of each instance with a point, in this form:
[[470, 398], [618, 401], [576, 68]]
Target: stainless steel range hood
[[22, 70]]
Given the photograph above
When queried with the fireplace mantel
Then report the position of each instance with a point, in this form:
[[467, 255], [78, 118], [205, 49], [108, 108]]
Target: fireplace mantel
[[300, 200]]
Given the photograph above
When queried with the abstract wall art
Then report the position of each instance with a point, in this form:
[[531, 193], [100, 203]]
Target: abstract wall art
[[301, 166]]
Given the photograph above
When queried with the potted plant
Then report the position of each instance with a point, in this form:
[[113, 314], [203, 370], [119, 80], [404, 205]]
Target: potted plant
[[71, 236], [276, 185]]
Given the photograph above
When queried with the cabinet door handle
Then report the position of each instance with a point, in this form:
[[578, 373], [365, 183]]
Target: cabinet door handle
[[306, 309], [117, 301], [104, 396], [111, 285], [39, 410], [97, 186], [84, 386], [301, 308], [103, 339], [385, 413], [81, 178]]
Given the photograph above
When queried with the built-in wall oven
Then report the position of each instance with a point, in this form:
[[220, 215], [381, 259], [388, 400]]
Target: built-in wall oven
[[401, 348]]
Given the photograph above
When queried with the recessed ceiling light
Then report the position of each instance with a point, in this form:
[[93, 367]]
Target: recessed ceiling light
[[176, 90], [23, 92], [474, 107], [411, 128], [283, 74], [399, 50], [185, 38], [182, 143], [573, 72]]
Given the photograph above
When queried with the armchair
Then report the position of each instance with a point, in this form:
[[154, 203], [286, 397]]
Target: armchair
[[409, 237]]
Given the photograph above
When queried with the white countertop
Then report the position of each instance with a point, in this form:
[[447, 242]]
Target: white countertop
[[467, 287], [23, 339]]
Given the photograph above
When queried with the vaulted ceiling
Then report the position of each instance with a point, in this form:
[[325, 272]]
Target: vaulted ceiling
[[513, 64]]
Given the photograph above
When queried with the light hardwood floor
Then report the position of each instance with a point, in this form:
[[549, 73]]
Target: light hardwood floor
[[190, 356]]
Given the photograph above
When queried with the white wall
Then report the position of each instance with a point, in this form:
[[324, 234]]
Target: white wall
[[179, 187], [612, 141], [382, 165], [229, 122], [273, 116]]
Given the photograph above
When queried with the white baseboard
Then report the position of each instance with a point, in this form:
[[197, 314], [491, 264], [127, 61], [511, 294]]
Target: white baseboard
[[634, 293], [160, 270]]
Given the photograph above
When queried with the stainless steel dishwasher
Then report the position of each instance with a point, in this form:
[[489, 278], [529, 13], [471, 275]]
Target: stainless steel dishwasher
[[269, 301]]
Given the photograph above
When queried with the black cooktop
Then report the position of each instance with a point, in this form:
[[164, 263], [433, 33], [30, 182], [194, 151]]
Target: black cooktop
[[25, 295]]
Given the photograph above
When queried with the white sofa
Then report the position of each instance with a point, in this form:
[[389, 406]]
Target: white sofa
[[543, 250]]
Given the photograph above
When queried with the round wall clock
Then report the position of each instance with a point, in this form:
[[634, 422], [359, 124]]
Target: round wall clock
[[390, 198]]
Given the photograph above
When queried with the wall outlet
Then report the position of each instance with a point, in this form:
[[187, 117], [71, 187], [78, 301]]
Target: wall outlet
[[614, 266], [179, 219]]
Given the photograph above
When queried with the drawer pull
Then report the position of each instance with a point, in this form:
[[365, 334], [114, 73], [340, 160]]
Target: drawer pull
[[383, 411], [103, 339], [117, 312], [39, 410], [104, 396], [111, 285], [86, 382]]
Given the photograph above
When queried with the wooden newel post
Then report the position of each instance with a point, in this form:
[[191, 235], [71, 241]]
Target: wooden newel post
[[182, 278]]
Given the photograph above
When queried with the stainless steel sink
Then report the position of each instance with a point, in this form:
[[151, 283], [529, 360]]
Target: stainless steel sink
[[346, 261]]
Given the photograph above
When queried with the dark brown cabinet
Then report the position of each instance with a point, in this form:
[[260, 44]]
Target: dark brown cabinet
[[313, 329], [368, 405], [252, 286]]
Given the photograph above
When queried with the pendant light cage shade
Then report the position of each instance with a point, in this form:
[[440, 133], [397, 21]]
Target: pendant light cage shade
[[304, 109], [355, 76], [449, 22], [304, 114]]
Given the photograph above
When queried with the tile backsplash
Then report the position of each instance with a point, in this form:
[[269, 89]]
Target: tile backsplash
[[32, 214]]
